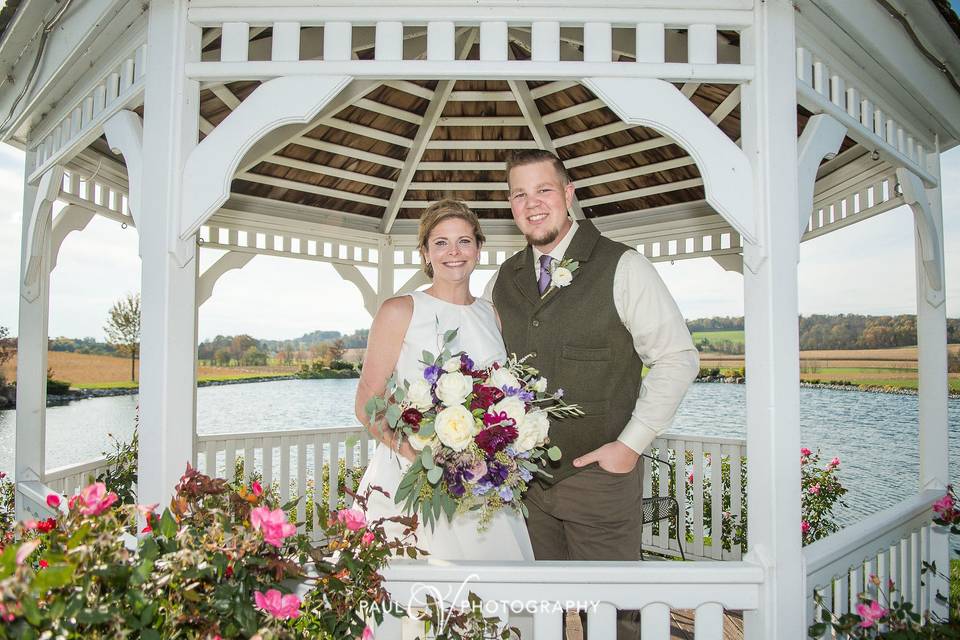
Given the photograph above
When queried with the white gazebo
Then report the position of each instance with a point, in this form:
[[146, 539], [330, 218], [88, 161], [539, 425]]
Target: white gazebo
[[319, 129]]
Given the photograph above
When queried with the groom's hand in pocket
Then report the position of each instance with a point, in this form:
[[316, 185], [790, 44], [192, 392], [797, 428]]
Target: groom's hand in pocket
[[614, 457]]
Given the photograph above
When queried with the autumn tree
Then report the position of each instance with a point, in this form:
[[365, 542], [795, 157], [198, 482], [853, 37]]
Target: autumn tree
[[123, 328], [337, 349]]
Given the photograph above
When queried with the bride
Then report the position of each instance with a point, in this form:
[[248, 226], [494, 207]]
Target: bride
[[449, 241]]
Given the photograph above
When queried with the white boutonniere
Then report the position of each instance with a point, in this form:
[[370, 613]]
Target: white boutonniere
[[561, 274]]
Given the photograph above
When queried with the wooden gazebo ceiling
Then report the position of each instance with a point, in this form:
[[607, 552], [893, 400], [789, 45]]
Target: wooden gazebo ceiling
[[351, 160]]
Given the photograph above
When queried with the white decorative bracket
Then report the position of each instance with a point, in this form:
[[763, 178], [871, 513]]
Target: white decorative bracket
[[727, 174], [931, 240], [414, 282], [38, 231], [730, 262], [212, 163], [352, 274], [227, 262], [124, 131], [73, 217], [822, 137]]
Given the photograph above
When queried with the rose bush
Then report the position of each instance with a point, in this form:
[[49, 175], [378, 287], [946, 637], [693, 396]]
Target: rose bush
[[218, 562]]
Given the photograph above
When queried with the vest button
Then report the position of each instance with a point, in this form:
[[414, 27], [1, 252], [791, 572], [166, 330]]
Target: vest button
[[536, 323]]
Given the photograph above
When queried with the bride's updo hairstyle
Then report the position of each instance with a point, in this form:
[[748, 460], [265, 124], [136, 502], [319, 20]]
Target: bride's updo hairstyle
[[437, 213]]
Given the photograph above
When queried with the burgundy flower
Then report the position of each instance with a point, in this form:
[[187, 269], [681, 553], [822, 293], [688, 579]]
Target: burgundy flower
[[412, 417], [495, 439], [484, 397]]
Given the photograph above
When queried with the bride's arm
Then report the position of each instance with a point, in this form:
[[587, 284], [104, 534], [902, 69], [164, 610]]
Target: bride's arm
[[383, 349]]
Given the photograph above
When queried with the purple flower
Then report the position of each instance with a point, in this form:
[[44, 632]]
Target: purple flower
[[466, 362], [506, 493], [525, 474], [481, 488], [432, 373], [496, 473]]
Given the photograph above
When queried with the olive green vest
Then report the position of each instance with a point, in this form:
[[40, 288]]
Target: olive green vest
[[576, 340]]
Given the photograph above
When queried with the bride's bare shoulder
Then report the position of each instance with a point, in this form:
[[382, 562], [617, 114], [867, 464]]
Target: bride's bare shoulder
[[397, 309]]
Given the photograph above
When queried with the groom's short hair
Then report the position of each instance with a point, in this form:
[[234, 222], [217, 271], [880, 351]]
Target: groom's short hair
[[523, 157]]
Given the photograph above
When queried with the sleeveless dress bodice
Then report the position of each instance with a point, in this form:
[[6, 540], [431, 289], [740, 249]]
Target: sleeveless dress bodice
[[506, 536]]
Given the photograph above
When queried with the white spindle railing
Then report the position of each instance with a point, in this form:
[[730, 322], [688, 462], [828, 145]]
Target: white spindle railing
[[546, 589], [892, 544], [67, 480], [346, 29]]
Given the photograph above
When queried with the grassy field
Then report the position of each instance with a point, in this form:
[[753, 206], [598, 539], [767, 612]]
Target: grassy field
[[106, 372], [716, 336]]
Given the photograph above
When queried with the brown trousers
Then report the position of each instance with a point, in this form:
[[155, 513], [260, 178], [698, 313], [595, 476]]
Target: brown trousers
[[591, 515]]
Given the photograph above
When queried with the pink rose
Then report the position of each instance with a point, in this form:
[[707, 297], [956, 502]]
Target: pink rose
[[870, 614], [835, 463], [367, 538], [805, 452], [804, 526], [273, 524], [95, 499], [814, 489], [943, 505], [53, 501], [367, 634], [256, 488], [354, 519], [276, 604]]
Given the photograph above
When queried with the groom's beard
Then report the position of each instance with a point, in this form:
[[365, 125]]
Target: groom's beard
[[545, 238]]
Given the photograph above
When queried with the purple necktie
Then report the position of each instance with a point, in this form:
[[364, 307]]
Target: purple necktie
[[545, 276]]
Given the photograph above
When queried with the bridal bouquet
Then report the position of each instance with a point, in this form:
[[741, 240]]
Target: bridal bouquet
[[481, 434]]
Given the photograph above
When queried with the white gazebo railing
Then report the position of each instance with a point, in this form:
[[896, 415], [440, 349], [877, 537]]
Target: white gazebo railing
[[893, 545], [287, 460]]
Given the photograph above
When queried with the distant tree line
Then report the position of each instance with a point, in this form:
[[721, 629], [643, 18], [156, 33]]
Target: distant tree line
[[843, 331], [82, 345], [321, 347]]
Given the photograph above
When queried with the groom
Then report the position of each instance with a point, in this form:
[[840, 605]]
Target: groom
[[591, 312]]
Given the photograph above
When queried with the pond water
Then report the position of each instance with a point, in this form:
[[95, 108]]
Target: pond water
[[874, 434]]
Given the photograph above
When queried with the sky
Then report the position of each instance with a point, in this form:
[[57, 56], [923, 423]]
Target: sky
[[866, 268]]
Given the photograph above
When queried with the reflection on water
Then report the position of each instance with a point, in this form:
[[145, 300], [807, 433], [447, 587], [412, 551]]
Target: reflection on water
[[874, 434]]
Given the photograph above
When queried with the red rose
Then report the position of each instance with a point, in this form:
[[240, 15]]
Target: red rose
[[412, 417], [47, 525], [484, 397]]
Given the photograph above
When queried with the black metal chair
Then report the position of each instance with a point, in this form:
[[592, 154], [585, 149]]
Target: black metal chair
[[657, 508]]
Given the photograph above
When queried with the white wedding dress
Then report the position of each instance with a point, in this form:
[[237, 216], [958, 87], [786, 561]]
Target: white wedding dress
[[506, 536]]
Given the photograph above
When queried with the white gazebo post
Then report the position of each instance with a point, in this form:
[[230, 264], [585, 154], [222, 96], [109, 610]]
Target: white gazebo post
[[169, 266], [927, 206], [32, 330], [769, 117]]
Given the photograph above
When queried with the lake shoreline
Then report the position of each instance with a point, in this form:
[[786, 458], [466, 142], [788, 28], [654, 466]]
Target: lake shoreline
[[828, 385], [87, 394]]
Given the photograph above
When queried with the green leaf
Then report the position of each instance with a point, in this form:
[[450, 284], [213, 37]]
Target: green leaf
[[141, 572], [427, 358], [426, 458], [449, 336], [393, 415], [553, 453], [168, 525], [434, 475], [399, 394], [52, 577], [449, 507], [426, 429], [370, 407], [148, 614], [149, 634], [78, 536], [8, 561], [31, 612]]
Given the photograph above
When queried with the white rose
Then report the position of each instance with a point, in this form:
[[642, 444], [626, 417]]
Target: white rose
[[453, 388], [455, 426], [539, 385], [419, 394], [418, 442], [512, 406], [501, 378], [451, 365], [562, 277], [532, 431]]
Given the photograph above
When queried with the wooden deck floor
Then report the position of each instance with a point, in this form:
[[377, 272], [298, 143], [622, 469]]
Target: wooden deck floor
[[681, 626]]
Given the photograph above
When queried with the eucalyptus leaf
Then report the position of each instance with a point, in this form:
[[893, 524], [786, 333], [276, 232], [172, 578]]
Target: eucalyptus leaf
[[426, 458], [393, 415], [434, 475], [450, 336], [427, 358], [370, 407], [554, 453]]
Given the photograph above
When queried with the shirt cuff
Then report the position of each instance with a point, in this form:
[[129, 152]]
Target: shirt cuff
[[637, 435]]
